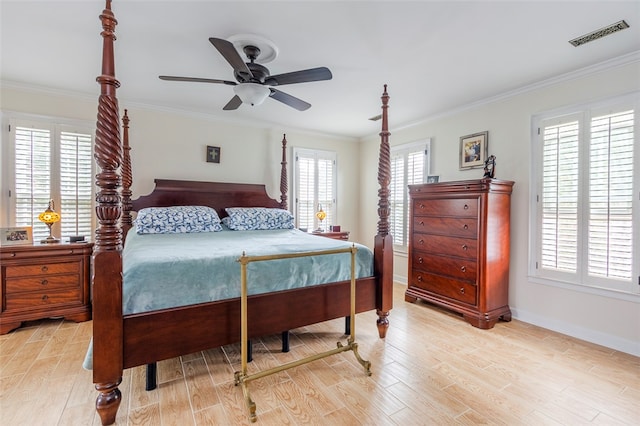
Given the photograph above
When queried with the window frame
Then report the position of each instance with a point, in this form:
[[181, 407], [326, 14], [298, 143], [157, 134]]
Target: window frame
[[404, 150], [330, 208], [581, 280], [56, 126]]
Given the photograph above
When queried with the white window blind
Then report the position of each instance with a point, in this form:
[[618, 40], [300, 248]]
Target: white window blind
[[586, 209], [52, 163], [611, 196], [315, 186], [408, 167], [32, 177]]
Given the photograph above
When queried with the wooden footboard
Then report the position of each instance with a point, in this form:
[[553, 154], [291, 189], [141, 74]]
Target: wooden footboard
[[125, 341]]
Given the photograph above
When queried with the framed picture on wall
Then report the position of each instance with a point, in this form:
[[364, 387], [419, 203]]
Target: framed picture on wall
[[473, 150], [213, 154]]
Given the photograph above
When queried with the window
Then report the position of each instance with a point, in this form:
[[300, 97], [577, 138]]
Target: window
[[51, 162], [586, 212], [314, 186], [409, 166]]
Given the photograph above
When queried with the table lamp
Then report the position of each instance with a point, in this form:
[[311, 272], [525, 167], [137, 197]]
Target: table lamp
[[49, 217], [321, 215]]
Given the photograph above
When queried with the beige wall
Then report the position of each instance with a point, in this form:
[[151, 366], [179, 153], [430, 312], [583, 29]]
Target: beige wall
[[172, 145], [608, 320]]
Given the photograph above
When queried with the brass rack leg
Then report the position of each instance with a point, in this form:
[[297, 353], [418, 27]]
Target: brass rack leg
[[241, 377]]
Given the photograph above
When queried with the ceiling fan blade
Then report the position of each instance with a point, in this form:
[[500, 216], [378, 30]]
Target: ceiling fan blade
[[287, 99], [313, 74], [229, 52], [196, 79], [234, 103]]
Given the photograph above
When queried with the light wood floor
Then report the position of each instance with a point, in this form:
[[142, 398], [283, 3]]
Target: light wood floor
[[432, 369]]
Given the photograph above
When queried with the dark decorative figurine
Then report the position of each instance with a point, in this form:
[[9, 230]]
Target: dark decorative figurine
[[490, 167]]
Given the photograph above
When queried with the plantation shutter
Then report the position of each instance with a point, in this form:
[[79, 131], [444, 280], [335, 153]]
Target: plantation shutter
[[610, 230], [560, 197], [32, 177], [305, 184], [75, 184], [397, 200], [315, 185], [408, 167]]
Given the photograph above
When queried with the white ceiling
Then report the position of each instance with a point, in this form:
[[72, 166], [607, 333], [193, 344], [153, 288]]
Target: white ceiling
[[435, 56]]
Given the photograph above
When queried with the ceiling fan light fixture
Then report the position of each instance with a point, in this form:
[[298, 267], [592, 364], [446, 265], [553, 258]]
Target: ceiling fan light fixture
[[251, 93]]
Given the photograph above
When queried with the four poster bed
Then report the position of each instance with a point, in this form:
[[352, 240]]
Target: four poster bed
[[125, 338]]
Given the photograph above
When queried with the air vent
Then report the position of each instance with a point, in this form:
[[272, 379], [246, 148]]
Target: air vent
[[602, 32]]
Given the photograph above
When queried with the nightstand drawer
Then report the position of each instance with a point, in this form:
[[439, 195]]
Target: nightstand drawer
[[41, 299], [42, 283], [43, 269]]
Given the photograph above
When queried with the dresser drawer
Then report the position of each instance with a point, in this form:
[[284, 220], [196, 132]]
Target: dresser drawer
[[461, 291], [448, 246], [42, 283], [43, 269], [454, 267], [462, 207], [455, 226], [42, 299]]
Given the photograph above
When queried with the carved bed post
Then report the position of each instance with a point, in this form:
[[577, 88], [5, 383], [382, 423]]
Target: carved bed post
[[107, 258], [284, 186], [127, 178], [383, 246]]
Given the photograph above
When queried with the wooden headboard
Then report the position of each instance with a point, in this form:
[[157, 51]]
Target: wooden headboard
[[217, 195]]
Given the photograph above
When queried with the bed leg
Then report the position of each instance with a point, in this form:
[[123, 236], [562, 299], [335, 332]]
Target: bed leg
[[108, 401], [152, 382], [383, 323], [285, 341], [249, 351], [347, 325]]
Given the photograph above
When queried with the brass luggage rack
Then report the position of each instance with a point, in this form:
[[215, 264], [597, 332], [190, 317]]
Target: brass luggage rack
[[241, 377]]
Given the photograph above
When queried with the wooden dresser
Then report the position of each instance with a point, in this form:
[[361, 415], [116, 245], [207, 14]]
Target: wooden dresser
[[44, 280], [459, 248]]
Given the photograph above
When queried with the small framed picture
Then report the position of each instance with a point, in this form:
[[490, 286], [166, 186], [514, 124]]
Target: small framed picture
[[473, 150], [433, 179], [16, 236], [213, 154]]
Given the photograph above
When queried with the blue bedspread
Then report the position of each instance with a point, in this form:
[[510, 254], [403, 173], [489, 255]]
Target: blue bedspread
[[167, 270]]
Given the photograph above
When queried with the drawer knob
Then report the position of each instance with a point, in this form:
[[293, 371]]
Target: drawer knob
[[465, 226], [421, 223], [421, 206], [462, 290], [419, 278], [463, 268], [466, 207], [420, 260], [44, 298], [464, 247], [421, 241], [44, 282], [45, 268]]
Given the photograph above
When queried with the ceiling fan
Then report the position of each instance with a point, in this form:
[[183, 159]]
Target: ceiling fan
[[254, 80]]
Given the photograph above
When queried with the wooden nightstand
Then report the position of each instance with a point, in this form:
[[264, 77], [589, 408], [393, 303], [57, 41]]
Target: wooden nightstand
[[44, 280], [343, 235]]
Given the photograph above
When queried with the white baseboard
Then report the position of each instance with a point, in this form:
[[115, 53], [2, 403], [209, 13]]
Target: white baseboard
[[589, 335]]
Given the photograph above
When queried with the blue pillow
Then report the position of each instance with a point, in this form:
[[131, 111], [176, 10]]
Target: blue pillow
[[253, 218], [177, 220]]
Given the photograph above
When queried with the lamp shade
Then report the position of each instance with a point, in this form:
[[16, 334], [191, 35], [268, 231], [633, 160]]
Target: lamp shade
[[49, 216], [251, 93]]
